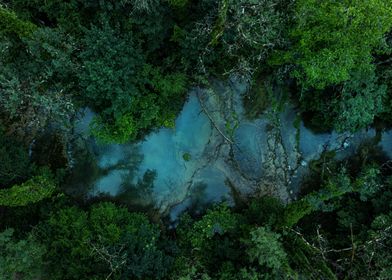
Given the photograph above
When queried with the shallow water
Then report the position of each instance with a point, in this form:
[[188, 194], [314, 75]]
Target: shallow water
[[250, 137], [386, 143], [177, 156], [193, 162], [176, 153]]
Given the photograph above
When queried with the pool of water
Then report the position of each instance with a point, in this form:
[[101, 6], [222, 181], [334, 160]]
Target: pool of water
[[190, 165], [176, 155]]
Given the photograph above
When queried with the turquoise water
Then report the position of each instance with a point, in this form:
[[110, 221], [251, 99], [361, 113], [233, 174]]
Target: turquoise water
[[167, 148], [386, 143], [176, 155], [250, 138], [189, 166]]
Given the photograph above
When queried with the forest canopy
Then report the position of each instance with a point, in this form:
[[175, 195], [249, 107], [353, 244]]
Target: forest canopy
[[132, 63]]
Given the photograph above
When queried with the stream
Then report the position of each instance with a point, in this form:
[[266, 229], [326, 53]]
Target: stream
[[213, 154]]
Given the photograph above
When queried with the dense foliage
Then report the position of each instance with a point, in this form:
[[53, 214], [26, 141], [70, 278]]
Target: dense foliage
[[132, 62], [107, 240], [337, 38], [339, 229]]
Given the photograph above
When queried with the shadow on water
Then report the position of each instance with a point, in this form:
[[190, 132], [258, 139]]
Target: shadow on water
[[197, 203], [139, 193], [109, 170]]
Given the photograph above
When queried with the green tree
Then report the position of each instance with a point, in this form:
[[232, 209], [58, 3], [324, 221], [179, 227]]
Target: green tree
[[266, 249], [15, 164], [66, 236], [107, 241], [368, 182], [10, 24], [375, 255], [251, 31], [214, 223], [36, 82], [232, 36], [133, 236], [33, 190], [349, 106], [20, 259], [130, 95], [335, 38], [209, 244], [360, 101]]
